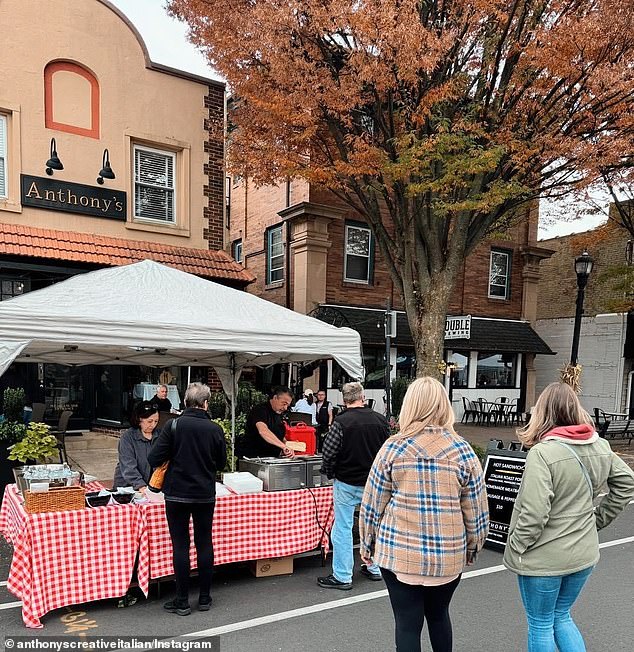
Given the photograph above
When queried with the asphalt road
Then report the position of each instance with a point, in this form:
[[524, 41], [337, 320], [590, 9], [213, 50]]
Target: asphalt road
[[292, 614]]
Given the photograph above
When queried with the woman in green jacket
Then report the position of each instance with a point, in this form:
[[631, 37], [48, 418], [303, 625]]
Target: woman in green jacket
[[553, 543]]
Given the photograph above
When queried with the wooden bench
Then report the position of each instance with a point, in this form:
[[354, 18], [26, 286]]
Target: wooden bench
[[614, 425]]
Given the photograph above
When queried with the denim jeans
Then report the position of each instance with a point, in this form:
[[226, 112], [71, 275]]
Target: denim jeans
[[547, 601], [345, 497]]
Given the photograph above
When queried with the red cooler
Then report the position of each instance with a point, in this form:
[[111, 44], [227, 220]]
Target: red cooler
[[305, 433]]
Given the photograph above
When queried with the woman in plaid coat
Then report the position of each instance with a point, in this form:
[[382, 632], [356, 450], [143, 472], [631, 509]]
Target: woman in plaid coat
[[424, 515]]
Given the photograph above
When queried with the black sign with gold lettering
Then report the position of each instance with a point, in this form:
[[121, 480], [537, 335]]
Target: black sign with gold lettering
[[47, 192], [503, 471]]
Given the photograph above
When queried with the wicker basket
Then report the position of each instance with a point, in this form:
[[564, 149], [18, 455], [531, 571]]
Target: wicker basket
[[54, 500]]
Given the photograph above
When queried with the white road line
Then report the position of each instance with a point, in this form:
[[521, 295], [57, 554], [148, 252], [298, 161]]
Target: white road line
[[616, 542], [10, 605], [344, 602], [3, 583]]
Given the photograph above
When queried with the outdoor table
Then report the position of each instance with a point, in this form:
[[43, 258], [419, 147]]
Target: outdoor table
[[491, 409], [249, 526], [71, 557], [77, 556]]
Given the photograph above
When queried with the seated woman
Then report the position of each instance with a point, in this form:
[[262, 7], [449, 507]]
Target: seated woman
[[133, 469]]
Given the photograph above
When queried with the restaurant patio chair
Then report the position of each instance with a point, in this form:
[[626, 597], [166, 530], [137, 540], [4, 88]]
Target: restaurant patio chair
[[512, 414], [491, 411], [60, 435], [470, 409], [37, 416]]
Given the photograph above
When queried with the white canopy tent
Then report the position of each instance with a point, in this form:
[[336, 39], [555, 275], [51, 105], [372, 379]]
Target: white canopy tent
[[150, 314]]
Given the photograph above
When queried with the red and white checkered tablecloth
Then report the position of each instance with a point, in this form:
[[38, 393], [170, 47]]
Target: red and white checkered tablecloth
[[249, 526], [72, 557], [13, 515]]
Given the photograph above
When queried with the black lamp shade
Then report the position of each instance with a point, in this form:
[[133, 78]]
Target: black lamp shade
[[106, 171], [53, 162], [584, 264]]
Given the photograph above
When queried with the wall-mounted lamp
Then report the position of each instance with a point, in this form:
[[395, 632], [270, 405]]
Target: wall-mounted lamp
[[53, 163], [106, 170]]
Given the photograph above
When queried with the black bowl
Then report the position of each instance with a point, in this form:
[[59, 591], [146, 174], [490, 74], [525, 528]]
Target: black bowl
[[123, 499], [93, 499]]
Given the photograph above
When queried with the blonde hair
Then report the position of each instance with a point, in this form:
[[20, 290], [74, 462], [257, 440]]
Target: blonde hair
[[557, 405], [425, 404]]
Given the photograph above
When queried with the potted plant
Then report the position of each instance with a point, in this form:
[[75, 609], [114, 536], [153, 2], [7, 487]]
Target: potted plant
[[10, 433], [36, 445], [12, 429], [13, 402]]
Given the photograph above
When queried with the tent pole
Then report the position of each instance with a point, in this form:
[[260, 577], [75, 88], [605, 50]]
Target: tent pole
[[189, 376], [233, 412]]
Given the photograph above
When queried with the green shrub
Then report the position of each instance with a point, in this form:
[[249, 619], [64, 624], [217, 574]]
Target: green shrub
[[37, 444], [11, 432], [248, 396], [218, 405], [225, 424], [13, 404], [399, 387]]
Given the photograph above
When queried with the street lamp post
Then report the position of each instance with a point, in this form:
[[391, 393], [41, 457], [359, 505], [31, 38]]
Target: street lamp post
[[583, 267]]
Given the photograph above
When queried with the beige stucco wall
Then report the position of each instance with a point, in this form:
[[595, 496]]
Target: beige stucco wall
[[136, 103]]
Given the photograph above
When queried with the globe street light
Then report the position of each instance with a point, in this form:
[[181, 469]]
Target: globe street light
[[583, 267]]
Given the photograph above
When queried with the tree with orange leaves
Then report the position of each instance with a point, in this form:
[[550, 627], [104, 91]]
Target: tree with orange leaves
[[436, 120]]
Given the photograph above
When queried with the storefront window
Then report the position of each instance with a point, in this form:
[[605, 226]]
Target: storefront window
[[405, 365], [460, 370], [65, 389], [496, 370], [12, 287], [374, 361]]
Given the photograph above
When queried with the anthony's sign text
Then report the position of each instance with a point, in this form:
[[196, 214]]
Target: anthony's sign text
[[49, 193]]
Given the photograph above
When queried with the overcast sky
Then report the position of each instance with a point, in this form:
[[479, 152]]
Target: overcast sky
[[166, 40]]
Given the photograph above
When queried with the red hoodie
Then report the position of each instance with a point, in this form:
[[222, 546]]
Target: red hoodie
[[583, 433]]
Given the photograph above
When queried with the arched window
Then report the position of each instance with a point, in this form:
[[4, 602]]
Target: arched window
[[71, 99]]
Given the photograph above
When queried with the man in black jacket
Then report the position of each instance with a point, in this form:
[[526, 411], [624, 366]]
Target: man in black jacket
[[354, 439], [195, 448]]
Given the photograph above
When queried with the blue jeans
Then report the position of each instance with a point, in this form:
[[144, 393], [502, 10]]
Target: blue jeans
[[547, 601], [345, 497]]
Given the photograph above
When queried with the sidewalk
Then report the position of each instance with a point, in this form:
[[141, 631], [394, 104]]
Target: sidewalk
[[96, 453], [481, 435]]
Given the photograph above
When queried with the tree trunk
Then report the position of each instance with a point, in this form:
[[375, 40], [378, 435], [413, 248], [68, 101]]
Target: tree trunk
[[427, 326]]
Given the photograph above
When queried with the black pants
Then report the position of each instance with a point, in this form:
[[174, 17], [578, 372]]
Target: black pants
[[178, 515], [411, 604]]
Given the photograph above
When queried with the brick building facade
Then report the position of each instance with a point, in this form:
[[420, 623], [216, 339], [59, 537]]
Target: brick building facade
[[607, 334], [105, 159], [314, 255]]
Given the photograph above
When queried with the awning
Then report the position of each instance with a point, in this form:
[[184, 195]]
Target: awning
[[495, 335]]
